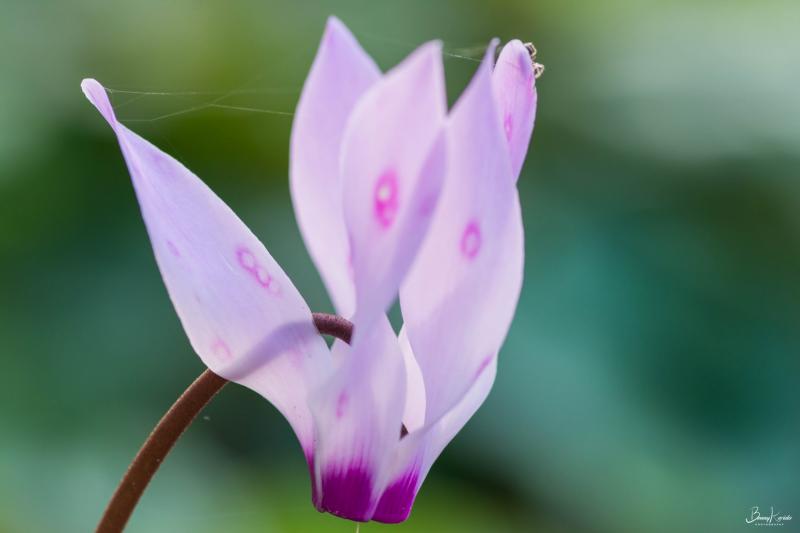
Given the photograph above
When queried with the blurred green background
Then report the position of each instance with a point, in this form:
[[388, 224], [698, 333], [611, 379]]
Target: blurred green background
[[650, 380]]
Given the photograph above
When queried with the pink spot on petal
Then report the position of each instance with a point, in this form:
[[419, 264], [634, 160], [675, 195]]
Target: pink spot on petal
[[296, 357], [471, 240], [249, 263], [267, 281], [483, 365], [386, 198], [246, 259], [221, 350], [173, 249], [160, 160], [341, 404], [263, 277], [273, 288], [508, 126]]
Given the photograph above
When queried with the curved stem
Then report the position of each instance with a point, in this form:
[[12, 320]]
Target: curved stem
[[156, 448], [171, 427], [333, 325]]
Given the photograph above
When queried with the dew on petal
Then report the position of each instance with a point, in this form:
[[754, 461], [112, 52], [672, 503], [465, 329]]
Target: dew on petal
[[471, 240], [386, 198]]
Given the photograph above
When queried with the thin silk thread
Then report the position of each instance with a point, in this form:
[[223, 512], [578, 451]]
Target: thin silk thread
[[217, 100]]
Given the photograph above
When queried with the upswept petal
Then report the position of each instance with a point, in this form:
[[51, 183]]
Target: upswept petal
[[393, 164], [417, 452], [357, 417], [515, 92], [461, 293], [414, 411], [442, 432], [242, 314], [340, 75]]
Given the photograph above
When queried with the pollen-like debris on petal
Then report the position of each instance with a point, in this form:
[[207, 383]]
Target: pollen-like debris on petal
[[386, 198], [471, 240]]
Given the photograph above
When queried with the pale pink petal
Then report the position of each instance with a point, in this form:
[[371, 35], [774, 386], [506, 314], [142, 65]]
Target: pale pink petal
[[414, 411], [417, 451], [341, 73], [461, 294], [405, 477], [393, 163], [515, 92], [443, 431], [462, 291], [357, 417], [242, 314]]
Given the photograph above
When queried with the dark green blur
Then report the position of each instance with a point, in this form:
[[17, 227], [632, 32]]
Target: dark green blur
[[647, 382]]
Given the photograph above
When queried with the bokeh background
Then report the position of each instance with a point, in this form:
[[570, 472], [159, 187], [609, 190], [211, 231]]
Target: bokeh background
[[650, 380]]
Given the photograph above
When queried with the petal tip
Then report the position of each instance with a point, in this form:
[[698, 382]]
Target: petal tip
[[432, 49], [516, 56], [334, 24], [98, 96], [337, 32], [490, 51], [427, 58]]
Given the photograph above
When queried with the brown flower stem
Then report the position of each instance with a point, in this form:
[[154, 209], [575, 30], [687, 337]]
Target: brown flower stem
[[333, 325], [156, 448], [171, 427]]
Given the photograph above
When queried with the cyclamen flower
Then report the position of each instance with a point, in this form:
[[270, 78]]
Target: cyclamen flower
[[394, 195]]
